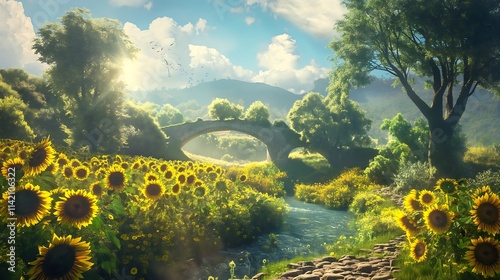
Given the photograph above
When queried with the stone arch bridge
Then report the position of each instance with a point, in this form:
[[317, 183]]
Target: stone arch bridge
[[280, 140]]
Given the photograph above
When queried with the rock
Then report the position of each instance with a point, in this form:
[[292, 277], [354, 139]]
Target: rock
[[382, 276], [291, 273], [307, 277], [258, 276], [307, 268], [364, 267], [332, 276], [328, 259]]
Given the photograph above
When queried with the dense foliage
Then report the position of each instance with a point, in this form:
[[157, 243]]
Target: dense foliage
[[442, 40]]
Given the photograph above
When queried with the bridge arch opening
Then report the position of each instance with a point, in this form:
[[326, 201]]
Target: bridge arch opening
[[230, 146]]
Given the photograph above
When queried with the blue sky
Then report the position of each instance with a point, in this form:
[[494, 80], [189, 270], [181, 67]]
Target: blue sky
[[279, 42]]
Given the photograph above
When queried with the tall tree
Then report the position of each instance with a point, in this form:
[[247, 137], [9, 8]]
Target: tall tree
[[329, 125], [85, 56], [454, 43]]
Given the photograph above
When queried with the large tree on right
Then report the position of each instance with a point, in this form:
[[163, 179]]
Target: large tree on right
[[454, 43]]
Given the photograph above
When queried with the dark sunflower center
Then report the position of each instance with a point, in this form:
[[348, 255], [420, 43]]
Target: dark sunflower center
[[419, 249], [168, 174], [68, 172], [116, 179], [38, 157], [427, 198], [81, 173], [62, 162], [486, 254], [176, 188], [97, 189], [151, 178], [408, 224], [190, 179], [153, 189], [488, 213], [77, 207], [200, 191], [27, 202], [415, 204], [59, 261], [182, 178], [438, 219]]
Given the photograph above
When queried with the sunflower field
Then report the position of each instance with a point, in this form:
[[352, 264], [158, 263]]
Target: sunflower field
[[71, 215], [453, 230]]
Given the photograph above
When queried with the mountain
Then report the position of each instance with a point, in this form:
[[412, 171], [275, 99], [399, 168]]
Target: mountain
[[277, 99], [380, 100]]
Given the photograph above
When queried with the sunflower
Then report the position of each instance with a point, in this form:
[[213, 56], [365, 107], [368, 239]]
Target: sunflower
[[62, 160], [190, 179], [181, 179], [168, 174], [176, 189], [53, 168], [438, 218], [163, 167], [115, 177], [486, 213], [481, 191], [124, 165], [418, 250], [75, 162], [96, 189], [151, 176], [32, 205], [243, 177], [40, 158], [136, 165], [81, 172], [76, 208], [411, 202], [484, 256], [427, 197], [66, 258], [407, 224], [200, 191], [447, 185], [67, 171], [16, 163], [153, 189]]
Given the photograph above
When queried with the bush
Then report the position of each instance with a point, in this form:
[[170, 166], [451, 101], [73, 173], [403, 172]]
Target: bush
[[337, 194], [366, 201], [414, 175], [486, 178], [489, 156], [265, 178]]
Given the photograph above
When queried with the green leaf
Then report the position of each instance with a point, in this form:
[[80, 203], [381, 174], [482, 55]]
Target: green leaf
[[112, 237], [96, 224], [108, 266], [45, 180], [117, 207]]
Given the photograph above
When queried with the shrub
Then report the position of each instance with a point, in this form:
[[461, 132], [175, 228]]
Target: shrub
[[265, 178], [414, 175], [489, 156], [338, 193], [366, 201], [486, 178]]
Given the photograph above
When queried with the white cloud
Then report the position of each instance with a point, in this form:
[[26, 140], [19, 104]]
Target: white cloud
[[249, 20], [316, 18], [131, 3], [148, 5], [167, 57], [17, 36], [280, 67]]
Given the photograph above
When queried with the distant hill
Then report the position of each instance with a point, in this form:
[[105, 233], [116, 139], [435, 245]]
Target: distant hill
[[244, 93], [480, 122]]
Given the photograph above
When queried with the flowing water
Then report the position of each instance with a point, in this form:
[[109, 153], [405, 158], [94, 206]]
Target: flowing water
[[307, 227]]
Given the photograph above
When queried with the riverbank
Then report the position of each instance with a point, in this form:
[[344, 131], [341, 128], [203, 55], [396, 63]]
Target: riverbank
[[378, 264]]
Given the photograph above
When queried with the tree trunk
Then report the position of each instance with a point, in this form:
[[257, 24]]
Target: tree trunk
[[442, 153]]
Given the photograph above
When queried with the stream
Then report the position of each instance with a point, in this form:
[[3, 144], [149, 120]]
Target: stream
[[306, 228]]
